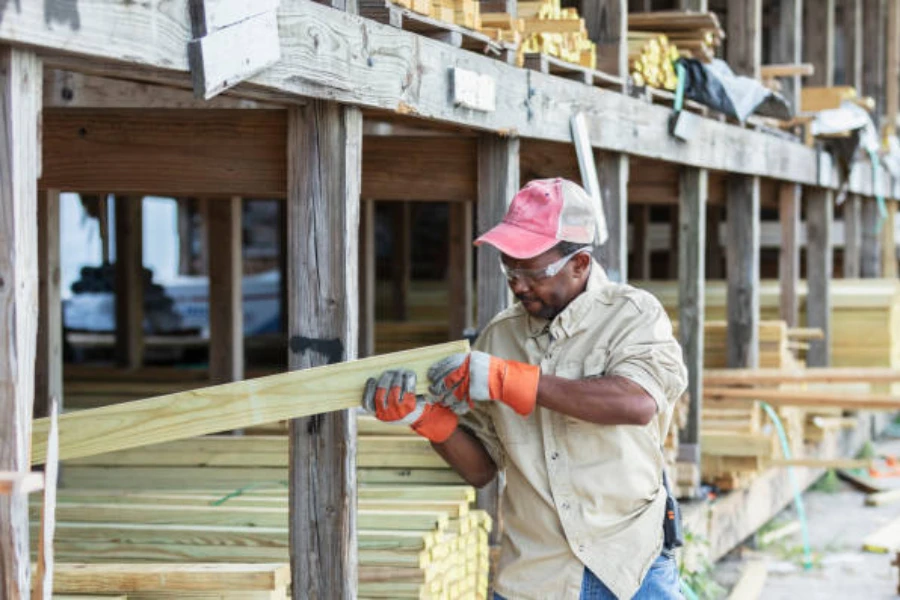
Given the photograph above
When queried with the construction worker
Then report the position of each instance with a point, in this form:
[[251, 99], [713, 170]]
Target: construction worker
[[570, 391]]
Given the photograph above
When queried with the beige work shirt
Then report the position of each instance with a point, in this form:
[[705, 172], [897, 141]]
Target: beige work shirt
[[579, 494]]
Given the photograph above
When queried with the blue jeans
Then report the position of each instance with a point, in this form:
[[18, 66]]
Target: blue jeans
[[661, 583]]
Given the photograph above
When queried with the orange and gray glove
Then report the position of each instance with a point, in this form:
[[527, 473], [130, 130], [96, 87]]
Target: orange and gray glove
[[461, 379], [393, 400]]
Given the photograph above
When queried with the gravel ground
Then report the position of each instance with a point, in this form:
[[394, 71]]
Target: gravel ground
[[838, 522]]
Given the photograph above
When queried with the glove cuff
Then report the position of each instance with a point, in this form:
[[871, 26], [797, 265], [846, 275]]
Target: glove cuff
[[520, 385], [437, 423]]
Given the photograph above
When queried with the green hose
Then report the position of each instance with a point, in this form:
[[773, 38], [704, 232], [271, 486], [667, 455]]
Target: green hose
[[798, 498]]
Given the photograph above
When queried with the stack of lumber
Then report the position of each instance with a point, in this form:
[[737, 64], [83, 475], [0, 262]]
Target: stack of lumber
[[651, 57]]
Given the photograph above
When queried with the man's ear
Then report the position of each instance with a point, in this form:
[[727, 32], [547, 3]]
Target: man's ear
[[581, 263]]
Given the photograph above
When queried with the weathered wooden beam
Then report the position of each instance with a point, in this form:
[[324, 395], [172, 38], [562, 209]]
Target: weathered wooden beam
[[48, 365], [613, 174], [789, 252], [742, 255], [818, 41], [129, 281], [460, 273], [849, 66], [787, 45], [123, 578], [870, 253], [744, 26], [367, 278], [324, 174], [892, 69], [874, 31], [873, 375], [819, 270], [20, 107], [852, 236], [226, 298], [692, 294]]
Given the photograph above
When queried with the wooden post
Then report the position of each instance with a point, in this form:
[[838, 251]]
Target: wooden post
[[226, 298], [367, 279], [870, 253], [498, 182], [852, 236], [48, 367], [874, 31], [324, 149], [889, 242], [691, 296], [789, 253], [818, 41], [891, 108], [459, 269], [613, 174], [849, 19], [787, 46], [20, 106], [742, 250], [607, 25], [402, 263], [819, 252], [129, 281], [715, 258], [640, 242]]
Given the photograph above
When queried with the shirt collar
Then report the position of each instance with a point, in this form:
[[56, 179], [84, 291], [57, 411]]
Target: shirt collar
[[566, 323]]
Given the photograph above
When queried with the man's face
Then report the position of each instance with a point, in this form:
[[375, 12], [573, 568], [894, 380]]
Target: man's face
[[546, 297]]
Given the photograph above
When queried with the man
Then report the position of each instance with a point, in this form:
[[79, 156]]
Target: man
[[571, 392]]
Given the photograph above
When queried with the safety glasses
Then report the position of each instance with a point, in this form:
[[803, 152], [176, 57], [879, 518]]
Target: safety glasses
[[536, 275]]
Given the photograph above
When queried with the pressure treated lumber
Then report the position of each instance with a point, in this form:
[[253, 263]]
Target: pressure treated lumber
[[229, 406], [805, 398], [822, 463], [73, 578], [882, 498], [751, 582], [720, 377], [884, 540]]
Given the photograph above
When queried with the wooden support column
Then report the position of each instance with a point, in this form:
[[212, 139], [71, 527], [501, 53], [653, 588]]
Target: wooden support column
[[849, 20], [742, 199], [891, 109], [819, 270], [402, 263], [691, 297], [874, 31], [789, 253], [459, 269], [612, 170], [324, 147], [787, 46], [852, 236], [818, 43], [367, 279], [129, 281], [48, 366], [20, 106], [498, 182], [640, 242], [226, 298], [870, 253]]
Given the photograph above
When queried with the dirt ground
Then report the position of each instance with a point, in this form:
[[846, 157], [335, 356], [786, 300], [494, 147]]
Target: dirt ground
[[838, 522]]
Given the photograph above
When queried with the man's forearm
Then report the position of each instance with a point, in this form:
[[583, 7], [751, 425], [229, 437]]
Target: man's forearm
[[468, 457], [609, 400]]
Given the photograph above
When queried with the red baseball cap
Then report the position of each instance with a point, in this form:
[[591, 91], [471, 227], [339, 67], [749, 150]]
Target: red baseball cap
[[542, 214]]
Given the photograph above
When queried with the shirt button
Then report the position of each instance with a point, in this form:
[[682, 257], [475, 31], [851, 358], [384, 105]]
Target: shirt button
[[565, 505], [581, 547], [554, 455]]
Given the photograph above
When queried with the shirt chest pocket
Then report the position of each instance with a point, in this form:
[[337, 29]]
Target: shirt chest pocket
[[587, 366]]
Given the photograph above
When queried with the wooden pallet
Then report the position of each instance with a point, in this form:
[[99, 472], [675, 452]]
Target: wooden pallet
[[551, 65]]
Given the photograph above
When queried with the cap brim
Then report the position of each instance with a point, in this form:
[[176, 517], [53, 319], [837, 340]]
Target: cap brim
[[517, 242]]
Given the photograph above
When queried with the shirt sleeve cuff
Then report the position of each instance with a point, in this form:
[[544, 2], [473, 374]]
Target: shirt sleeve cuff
[[648, 383]]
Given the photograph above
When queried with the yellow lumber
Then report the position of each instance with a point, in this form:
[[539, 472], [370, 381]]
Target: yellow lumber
[[805, 398], [71, 578], [884, 540], [814, 99], [787, 70], [822, 463], [230, 406], [720, 377]]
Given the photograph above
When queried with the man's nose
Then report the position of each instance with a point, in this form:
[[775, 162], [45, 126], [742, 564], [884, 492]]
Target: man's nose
[[518, 285]]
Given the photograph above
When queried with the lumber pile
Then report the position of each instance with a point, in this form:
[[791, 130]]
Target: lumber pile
[[657, 39]]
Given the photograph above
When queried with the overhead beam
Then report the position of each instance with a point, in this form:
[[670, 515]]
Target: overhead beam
[[129, 281], [819, 271], [789, 195], [409, 75], [324, 150], [226, 298], [20, 108], [49, 360], [818, 41]]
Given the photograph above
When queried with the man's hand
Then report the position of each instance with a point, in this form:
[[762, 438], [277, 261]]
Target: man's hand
[[478, 377], [393, 400]]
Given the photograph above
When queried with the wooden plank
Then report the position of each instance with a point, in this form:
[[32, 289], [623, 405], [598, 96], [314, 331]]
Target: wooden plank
[[870, 252], [751, 582], [324, 174], [874, 33], [607, 27], [319, 61], [882, 498], [818, 45], [226, 298], [849, 19], [129, 281], [366, 260], [720, 377], [43, 579], [822, 463], [460, 269], [744, 36], [691, 290], [742, 255], [613, 174], [73, 578], [819, 269], [789, 252], [48, 368], [229, 406], [805, 398], [884, 540], [20, 107], [787, 44], [852, 237], [209, 16]]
